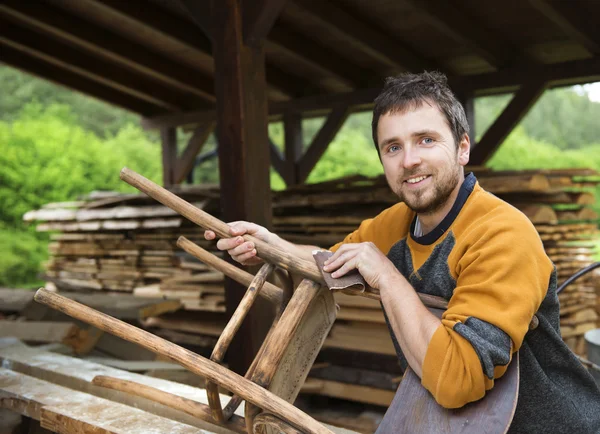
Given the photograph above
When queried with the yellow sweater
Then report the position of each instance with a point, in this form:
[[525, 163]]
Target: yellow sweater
[[487, 260]]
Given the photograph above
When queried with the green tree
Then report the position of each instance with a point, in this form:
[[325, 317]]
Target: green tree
[[47, 157]]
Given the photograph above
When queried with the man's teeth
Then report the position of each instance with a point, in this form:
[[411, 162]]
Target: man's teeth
[[415, 180]]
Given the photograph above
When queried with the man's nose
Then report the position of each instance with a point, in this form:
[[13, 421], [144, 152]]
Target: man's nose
[[411, 158]]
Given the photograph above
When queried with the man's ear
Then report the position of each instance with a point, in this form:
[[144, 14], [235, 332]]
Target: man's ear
[[464, 150]]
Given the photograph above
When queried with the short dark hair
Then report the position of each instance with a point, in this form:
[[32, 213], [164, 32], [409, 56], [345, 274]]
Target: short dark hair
[[410, 91]]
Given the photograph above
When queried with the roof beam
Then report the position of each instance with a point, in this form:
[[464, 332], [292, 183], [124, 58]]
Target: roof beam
[[185, 163], [369, 39], [518, 107], [505, 81], [71, 80], [318, 56], [199, 10], [456, 23], [321, 142], [192, 36], [64, 55], [581, 28], [47, 19], [259, 17]]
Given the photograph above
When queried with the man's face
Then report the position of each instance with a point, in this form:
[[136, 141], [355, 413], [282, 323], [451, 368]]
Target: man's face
[[422, 164]]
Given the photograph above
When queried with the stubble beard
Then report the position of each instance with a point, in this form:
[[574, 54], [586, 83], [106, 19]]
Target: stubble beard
[[433, 198]]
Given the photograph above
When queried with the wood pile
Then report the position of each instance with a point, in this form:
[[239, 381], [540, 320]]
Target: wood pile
[[126, 243]]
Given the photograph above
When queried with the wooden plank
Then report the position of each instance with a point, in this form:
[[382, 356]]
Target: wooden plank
[[135, 365], [78, 374], [242, 131], [335, 389], [518, 107], [319, 145], [186, 161], [63, 410], [15, 300], [91, 37], [40, 331], [73, 81], [69, 58], [258, 19]]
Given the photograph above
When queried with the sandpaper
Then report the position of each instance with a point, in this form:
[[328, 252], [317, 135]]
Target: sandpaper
[[352, 282]]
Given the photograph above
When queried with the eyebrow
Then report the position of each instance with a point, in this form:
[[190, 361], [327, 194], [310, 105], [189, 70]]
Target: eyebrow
[[415, 134], [388, 141], [425, 133]]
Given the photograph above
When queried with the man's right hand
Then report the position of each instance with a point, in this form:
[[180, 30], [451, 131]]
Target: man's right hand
[[241, 251]]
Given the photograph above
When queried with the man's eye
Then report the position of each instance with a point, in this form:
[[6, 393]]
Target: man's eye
[[393, 148], [428, 140]]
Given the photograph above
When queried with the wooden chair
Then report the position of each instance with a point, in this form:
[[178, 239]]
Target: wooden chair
[[302, 321]]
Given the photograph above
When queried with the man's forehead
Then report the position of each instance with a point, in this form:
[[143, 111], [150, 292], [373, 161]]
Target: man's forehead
[[429, 113]]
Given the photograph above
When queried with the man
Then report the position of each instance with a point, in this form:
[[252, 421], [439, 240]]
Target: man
[[450, 238]]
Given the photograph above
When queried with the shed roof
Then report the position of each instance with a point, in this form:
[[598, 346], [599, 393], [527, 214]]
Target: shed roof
[[153, 58]]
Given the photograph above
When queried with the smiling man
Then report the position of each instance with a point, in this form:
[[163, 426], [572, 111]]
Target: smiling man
[[450, 238]]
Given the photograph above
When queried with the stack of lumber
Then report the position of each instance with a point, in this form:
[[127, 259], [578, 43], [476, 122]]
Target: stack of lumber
[[125, 242], [128, 244]]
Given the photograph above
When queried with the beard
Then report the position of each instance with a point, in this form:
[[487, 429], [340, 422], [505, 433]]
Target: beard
[[432, 198]]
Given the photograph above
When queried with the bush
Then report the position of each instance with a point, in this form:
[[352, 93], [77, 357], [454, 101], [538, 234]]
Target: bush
[[46, 157]]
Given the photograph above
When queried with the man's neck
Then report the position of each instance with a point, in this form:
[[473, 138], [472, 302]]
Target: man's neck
[[429, 221]]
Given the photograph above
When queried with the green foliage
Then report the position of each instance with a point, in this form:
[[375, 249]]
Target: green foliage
[[47, 157], [520, 151], [19, 89], [563, 117]]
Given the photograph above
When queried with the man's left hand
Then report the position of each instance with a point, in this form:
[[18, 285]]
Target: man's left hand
[[370, 262]]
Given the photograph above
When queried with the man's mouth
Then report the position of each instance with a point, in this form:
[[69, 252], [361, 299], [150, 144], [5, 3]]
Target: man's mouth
[[416, 179]]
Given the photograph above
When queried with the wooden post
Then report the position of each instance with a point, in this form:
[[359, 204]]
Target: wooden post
[[168, 136], [240, 86], [294, 143]]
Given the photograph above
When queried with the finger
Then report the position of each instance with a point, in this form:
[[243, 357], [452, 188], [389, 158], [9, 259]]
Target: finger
[[348, 266], [209, 235], [242, 227], [342, 258], [339, 252], [229, 243], [248, 258], [241, 249]]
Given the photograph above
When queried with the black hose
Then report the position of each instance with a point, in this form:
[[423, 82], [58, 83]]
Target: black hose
[[577, 275]]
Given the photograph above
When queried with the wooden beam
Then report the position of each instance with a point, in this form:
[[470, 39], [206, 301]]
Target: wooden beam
[[468, 103], [46, 19], [119, 77], [185, 163], [582, 28], [457, 23], [259, 17], [369, 39], [278, 162], [508, 80], [243, 155], [294, 144], [168, 137], [518, 107], [199, 10], [322, 140], [504, 81], [73, 81], [190, 36], [318, 56]]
